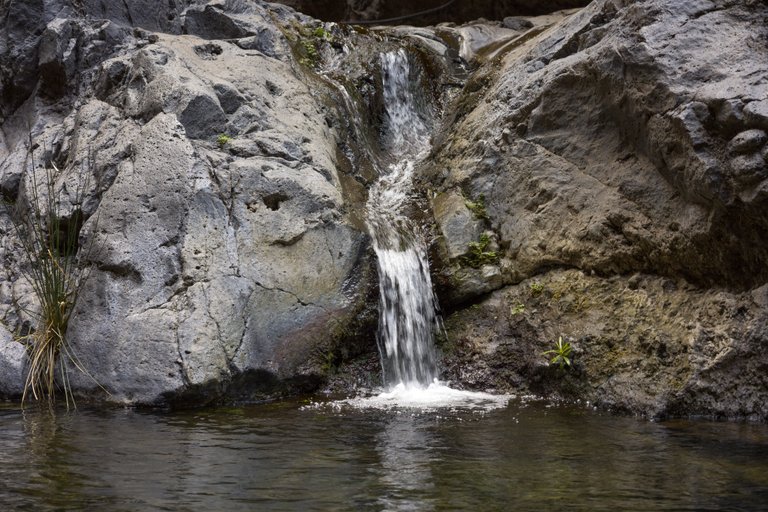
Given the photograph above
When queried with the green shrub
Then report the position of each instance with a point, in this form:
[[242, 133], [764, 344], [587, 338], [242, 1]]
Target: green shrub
[[223, 139], [321, 33], [477, 207]]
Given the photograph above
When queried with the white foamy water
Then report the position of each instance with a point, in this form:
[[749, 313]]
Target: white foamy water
[[406, 129], [433, 397]]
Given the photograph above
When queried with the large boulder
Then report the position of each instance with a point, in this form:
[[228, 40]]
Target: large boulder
[[220, 254], [54, 37], [626, 143]]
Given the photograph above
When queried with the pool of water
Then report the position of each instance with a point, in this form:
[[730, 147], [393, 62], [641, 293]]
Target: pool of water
[[527, 455]]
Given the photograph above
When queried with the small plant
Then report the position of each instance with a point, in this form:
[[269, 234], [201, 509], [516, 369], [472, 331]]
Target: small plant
[[330, 364], [311, 55], [518, 309], [477, 256], [321, 33], [223, 139], [309, 45], [49, 239], [536, 288], [560, 354], [477, 207]]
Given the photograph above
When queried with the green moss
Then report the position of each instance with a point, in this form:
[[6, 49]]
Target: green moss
[[477, 207], [477, 255], [321, 33], [223, 139], [311, 57], [309, 40], [536, 288]]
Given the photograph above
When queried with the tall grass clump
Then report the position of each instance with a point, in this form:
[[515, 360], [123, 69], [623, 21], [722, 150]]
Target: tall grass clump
[[49, 238]]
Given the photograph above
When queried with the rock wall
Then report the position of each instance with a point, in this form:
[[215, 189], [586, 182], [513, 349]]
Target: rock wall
[[219, 243], [615, 167]]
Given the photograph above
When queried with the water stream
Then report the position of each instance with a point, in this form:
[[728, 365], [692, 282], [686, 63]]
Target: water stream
[[407, 317]]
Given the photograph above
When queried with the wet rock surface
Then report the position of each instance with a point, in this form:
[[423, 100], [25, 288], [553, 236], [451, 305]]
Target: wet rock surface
[[617, 151], [641, 344]]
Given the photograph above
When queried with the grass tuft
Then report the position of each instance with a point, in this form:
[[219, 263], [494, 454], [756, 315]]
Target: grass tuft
[[49, 239]]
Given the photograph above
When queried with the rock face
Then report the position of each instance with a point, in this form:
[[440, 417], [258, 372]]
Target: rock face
[[219, 242], [597, 175], [620, 156]]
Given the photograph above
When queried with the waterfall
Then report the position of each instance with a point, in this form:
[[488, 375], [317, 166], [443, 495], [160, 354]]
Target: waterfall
[[407, 316]]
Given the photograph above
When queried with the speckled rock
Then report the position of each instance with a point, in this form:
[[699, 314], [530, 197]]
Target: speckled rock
[[625, 143], [221, 255]]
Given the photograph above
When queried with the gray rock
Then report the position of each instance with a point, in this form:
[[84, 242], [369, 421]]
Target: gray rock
[[12, 365], [649, 348], [147, 14], [514, 23], [747, 142], [215, 269], [618, 141], [730, 114], [642, 153], [264, 42], [457, 225], [229, 98], [210, 22], [750, 168], [756, 114]]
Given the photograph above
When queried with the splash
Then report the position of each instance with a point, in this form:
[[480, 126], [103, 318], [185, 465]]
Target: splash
[[435, 396]]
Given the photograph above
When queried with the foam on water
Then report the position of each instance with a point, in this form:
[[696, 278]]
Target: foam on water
[[436, 396]]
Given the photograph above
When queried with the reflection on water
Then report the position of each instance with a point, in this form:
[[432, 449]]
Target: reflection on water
[[283, 457], [405, 452]]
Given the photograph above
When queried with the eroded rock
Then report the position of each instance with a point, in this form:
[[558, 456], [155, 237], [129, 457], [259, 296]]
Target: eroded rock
[[627, 140], [748, 142]]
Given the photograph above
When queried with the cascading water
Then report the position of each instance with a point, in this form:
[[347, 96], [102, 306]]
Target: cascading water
[[407, 317], [407, 305]]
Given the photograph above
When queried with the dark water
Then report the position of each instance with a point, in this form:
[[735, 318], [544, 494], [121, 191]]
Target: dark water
[[280, 457]]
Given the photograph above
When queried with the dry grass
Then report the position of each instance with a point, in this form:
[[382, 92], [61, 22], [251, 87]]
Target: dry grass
[[50, 242]]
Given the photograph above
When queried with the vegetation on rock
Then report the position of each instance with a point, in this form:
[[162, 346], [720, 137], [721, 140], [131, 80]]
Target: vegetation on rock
[[477, 255], [49, 237], [560, 354]]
